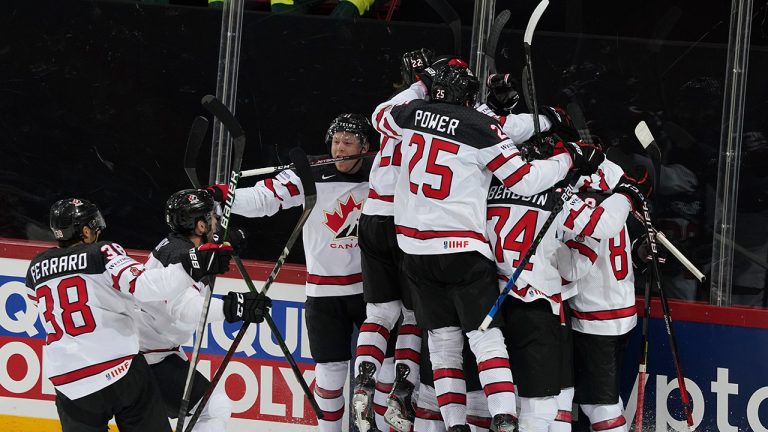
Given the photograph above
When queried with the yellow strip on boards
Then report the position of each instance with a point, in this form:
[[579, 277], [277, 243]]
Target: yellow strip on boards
[[9, 423]]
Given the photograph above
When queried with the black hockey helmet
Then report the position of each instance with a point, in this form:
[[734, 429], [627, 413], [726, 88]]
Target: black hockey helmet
[[185, 207], [353, 123], [70, 215], [454, 84]]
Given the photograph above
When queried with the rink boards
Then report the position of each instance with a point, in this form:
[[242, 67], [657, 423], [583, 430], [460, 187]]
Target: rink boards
[[724, 353]]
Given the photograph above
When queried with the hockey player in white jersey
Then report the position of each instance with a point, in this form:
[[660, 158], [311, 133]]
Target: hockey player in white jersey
[[166, 325], [334, 287], [603, 310], [533, 314], [450, 152], [86, 292]]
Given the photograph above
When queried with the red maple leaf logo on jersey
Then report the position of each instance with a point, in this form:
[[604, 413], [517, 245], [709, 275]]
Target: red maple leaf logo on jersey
[[343, 219]]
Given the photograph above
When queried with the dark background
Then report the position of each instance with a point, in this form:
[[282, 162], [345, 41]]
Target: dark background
[[96, 97]]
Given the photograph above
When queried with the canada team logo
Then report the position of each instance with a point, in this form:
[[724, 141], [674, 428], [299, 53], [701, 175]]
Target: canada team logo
[[343, 219]]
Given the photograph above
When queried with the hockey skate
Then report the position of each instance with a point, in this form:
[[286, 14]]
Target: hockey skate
[[400, 411], [362, 399], [459, 428], [504, 423]]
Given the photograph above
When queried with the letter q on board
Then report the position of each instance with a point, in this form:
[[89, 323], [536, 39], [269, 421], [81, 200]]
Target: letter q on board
[[22, 321]]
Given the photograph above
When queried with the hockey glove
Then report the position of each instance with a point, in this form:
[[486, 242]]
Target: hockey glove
[[641, 253], [207, 259], [502, 93], [586, 157], [237, 238], [562, 124], [636, 187], [219, 192], [414, 63], [249, 307]]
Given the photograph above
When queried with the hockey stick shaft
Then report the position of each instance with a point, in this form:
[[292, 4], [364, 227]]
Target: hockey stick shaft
[[317, 162], [528, 82], [667, 318], [236, 343], [194, 141], [642, 368], [303, 170], [215, 107], [671, 248]]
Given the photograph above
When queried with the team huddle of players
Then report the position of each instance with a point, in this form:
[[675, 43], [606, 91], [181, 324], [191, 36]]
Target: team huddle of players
[[412, 248]]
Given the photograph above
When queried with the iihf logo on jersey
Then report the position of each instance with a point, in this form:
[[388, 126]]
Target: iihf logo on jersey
[[343, 219], [455, 244]]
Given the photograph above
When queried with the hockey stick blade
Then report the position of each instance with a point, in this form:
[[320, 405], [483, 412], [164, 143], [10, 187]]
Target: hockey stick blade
[[194, 141], [493, 39], [313, 163], [534, 20], [450, 17], [214, 106]]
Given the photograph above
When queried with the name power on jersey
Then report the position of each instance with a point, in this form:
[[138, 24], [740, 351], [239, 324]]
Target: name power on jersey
[[437, 122]]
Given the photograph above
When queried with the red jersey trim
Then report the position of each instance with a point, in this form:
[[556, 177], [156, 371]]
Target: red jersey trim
[[88, 371], [517, 175], [426, 235], [606, 314], [582, 249], [335, 280], [387, 198]]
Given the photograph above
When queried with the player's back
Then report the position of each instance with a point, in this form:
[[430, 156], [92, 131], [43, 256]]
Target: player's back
[[605, 303], [513, 223], [91, 335], [440, 195]]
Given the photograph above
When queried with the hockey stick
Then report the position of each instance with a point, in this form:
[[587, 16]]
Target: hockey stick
[[314, 163], [574, 109], [304, 172], [645, 137], [215, 107], [451, 17], [530, 95], [529, 87], [194, 141], [493, 39]]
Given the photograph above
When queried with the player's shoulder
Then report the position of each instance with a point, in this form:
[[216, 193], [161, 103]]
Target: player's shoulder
[[171, 249]]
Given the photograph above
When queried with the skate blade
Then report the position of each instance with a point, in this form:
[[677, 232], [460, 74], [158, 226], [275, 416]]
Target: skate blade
[[359, 406], [393, 418]]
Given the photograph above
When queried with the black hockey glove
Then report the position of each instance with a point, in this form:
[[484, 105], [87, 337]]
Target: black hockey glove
[[237, 237], [586, 157], [249, 307], [414, 63], [636, 187], [502, 93], [562, 124], [641, 253], [207, 259]]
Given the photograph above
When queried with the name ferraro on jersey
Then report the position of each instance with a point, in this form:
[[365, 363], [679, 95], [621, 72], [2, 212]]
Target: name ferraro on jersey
[[62, 264]]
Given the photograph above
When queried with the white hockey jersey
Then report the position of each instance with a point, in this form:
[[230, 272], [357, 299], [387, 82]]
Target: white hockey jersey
[[166, 325], [330, 233], [386, 165], [450, 156], [86, 296], [604, 278], [513, 221]]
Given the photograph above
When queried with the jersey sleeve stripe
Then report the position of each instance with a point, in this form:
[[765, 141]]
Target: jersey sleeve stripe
[[582, 249], [425, 235], [605, 314], [292, 189], [386, 198], [499, 160], [451, 398], [116, 278], [570, 221], [335, 280], [87, 371], [448, 373], [609, 424], [593, 220], [518, 175], [269, 183]]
